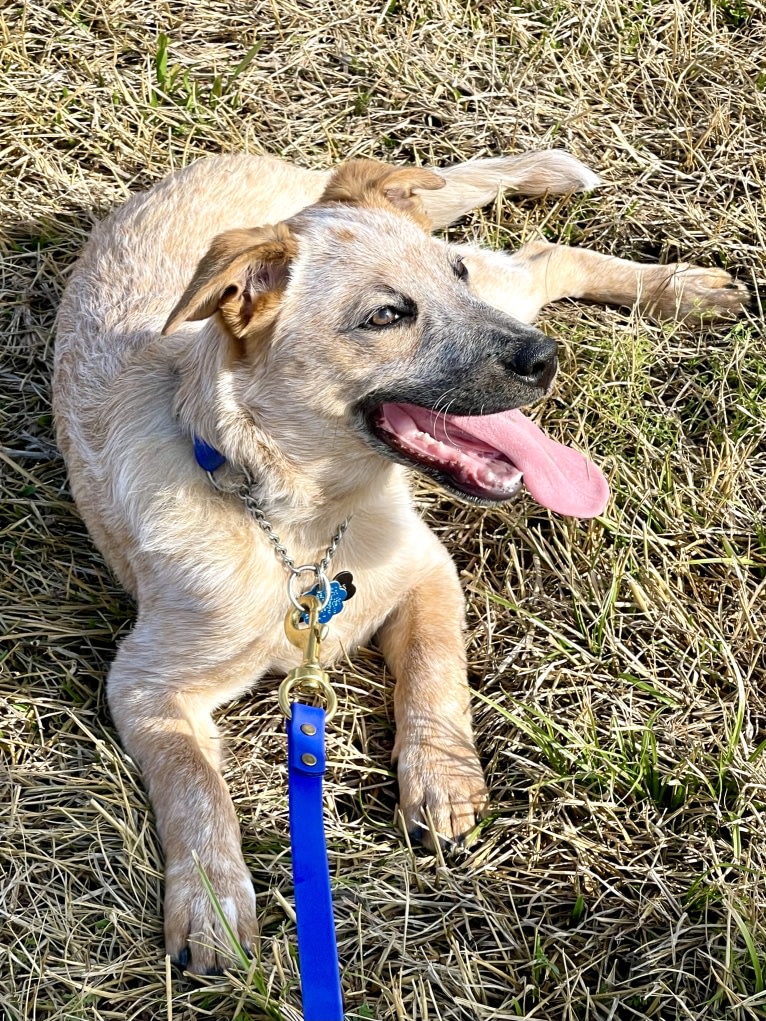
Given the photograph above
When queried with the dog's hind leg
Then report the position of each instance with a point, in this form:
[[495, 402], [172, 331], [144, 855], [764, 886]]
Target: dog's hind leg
[[540, 273], [474, 184]]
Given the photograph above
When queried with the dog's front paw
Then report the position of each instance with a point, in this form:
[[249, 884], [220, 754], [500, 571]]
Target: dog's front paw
[[697, 293], [441, 789], [195, 936]]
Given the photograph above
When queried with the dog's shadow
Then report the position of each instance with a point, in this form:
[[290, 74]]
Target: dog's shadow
[[69, 607]]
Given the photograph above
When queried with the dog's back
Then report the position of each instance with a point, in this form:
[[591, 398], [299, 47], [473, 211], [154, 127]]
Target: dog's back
[[139, 260]]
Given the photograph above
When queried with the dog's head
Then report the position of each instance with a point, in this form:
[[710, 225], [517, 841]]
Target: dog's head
[[352, 332]]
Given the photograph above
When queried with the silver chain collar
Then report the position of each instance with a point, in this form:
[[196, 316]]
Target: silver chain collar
[[318, 570]]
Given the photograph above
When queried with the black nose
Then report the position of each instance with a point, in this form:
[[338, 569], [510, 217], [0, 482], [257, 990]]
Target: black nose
[[534, 360]]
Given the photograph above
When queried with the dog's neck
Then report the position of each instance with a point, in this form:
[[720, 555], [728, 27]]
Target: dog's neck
[[311, 507], [325, 504], [305, 484]]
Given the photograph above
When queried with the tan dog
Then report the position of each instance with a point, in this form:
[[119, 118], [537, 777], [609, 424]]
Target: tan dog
[[325, 340]]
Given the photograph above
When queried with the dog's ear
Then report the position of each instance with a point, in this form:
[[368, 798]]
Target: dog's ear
[[401, 184], [373, 184], [243, 275]]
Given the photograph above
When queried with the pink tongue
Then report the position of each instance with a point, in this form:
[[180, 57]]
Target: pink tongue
[[558, 477]]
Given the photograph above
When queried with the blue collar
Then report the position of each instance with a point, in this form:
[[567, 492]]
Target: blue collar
[[208, 458]]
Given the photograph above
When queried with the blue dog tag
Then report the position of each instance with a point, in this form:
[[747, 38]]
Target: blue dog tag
[[341, 589]]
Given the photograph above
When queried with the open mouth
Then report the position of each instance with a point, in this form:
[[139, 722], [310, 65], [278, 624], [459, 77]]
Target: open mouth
[[490, 457]]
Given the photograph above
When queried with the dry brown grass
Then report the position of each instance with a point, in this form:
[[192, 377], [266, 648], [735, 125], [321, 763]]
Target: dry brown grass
[[619, 664]]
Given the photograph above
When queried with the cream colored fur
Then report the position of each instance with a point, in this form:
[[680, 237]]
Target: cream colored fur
[[211, 594]]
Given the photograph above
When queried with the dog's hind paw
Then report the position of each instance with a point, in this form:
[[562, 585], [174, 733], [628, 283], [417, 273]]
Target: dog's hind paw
[[696, 293]]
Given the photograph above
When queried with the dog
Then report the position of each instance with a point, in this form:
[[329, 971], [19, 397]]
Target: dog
[[306, 327]]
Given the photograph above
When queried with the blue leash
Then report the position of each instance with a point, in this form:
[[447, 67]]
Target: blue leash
[[317, 947]]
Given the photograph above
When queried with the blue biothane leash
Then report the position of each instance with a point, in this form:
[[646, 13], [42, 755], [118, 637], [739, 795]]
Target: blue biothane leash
[[305, 724], [317, 948]]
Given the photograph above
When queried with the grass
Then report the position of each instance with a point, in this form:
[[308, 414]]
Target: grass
[[618, 664]]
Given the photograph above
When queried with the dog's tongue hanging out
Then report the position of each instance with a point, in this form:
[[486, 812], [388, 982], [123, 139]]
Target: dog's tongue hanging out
[[491, 455]]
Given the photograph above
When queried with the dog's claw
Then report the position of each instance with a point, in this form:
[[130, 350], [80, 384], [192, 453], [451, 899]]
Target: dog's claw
[[449, 846], [181, 959]]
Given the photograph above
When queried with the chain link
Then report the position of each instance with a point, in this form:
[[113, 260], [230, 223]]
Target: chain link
[[324, 563], [245, 493]]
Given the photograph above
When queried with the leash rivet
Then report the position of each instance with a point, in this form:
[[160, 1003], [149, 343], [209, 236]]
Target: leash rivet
[[308, 729], [309, 760]]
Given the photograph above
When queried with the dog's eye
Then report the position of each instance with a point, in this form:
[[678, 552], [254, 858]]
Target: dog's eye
[[386, 316], [461, 270]]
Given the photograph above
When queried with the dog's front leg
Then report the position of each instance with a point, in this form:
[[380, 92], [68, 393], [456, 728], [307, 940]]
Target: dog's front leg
[[441, 785], [170, 733]]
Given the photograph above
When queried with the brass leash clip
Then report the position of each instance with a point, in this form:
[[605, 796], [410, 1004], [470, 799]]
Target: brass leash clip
[[308, 678]]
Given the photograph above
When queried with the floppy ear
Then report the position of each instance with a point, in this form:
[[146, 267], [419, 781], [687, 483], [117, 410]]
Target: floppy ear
[[243, 275], [375, 185]]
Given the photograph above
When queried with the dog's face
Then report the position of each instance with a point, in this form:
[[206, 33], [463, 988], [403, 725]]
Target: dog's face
[[353, 318]]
